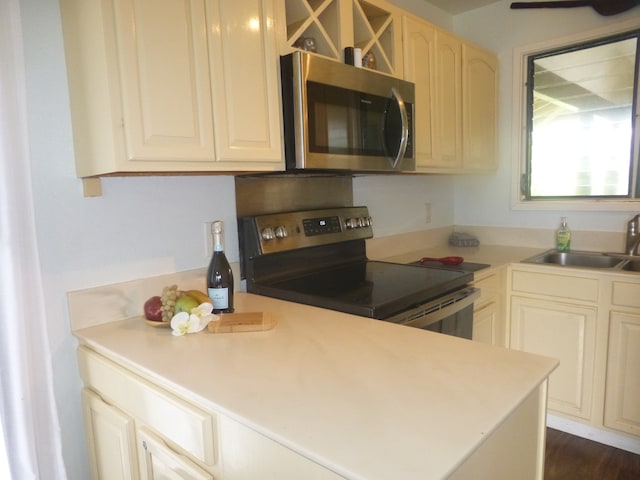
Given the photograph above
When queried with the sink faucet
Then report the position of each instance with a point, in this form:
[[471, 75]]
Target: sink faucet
[[633, 235]]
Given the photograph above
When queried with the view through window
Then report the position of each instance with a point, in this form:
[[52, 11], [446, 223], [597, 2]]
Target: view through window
[[580, 121]]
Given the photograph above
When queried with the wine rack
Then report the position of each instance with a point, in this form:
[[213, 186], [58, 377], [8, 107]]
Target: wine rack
[[315, 19], [373, 33], [336, 24]]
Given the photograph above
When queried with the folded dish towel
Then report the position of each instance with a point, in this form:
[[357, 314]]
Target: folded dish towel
[[458, 239]]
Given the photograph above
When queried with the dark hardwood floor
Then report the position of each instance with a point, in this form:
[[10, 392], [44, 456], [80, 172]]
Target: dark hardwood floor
[[568, 457]]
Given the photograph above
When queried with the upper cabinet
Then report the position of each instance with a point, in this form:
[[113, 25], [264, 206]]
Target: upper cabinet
[[419, 52], [327, 27], [456, 100], [447, 105], [193, 85], [479, 109], [175, 86]]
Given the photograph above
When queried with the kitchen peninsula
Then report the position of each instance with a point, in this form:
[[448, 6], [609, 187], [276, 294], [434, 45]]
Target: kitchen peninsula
[[322, 395]]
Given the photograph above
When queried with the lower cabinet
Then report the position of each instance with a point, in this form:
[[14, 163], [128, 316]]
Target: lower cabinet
[[489, 316], [158, 461], [111, 439], [566, 332], [590, 321], [139, 431], [485, 323], [555, 314], [120, 451], [622, 403]]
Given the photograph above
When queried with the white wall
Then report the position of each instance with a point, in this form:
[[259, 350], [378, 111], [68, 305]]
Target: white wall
[[397, 203], [487, 200], [144, 226], [424, 9], [139, 227]]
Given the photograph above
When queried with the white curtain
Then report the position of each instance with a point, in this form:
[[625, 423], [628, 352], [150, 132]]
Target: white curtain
[[28, 415]]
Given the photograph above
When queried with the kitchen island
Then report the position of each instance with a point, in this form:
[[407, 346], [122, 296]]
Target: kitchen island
[[349, 396]]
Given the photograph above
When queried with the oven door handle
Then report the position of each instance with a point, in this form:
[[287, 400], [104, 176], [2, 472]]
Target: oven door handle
[[404, 138], [440, 314]]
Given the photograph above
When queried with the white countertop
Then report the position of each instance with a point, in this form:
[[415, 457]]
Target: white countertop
[[365, 398], [493, 255]]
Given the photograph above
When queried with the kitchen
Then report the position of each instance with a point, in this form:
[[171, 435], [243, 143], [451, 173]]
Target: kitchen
[[147, 226]]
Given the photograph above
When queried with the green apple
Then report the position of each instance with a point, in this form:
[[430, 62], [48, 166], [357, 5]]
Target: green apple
[[185, 303]]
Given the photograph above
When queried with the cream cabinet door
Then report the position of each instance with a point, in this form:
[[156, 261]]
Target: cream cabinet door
[[566, 332], [159, 462], [456, 99], [448, 101], [489, 319], [244, 70], [166, 92], [486, 323], [111, 440], [479, 109], [419, 62], [173, 86], [622, 404]]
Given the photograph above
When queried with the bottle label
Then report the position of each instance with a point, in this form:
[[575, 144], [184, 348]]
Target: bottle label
[[563, 241], [219, 297]]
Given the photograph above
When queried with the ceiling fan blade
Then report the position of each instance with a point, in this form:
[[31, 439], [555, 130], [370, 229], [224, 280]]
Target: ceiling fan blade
[[603, 7], [556, 4]]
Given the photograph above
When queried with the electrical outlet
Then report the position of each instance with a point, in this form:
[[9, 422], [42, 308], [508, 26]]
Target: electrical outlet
[[427, 213], [208, 240]]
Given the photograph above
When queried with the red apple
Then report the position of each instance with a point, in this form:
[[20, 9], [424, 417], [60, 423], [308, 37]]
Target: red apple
[[153, 309]]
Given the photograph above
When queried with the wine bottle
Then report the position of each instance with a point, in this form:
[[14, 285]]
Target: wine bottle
[[219, 275]]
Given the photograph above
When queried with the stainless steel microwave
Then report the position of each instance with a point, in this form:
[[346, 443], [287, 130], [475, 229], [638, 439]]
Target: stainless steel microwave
[[339, 117]]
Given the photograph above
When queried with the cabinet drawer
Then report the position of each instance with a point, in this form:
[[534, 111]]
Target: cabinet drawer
[[560, 286], [156, 460], [625, 294], [186, 426], [490, 283]]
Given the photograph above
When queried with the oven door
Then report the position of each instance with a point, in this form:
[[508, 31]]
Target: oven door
[[451, 314]]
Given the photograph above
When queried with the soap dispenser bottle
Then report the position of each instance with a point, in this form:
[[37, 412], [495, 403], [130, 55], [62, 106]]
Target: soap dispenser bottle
[[563, 236]]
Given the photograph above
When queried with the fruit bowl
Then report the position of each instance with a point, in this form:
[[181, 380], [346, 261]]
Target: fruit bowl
[[151, 323]]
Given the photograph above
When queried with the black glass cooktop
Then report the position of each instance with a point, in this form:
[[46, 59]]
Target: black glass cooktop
[[371, 289], [464, 266]]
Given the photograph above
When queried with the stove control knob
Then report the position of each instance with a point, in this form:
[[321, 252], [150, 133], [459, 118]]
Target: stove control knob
[[363, 222], [281, 232], [267, 234], [351, 222]]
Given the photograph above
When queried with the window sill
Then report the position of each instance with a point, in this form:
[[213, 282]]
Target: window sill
[[604, 205]]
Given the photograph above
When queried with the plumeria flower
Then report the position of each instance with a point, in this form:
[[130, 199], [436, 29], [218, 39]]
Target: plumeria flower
[[194, 322]]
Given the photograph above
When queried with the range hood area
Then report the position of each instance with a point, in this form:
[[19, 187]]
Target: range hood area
[[264, 194]]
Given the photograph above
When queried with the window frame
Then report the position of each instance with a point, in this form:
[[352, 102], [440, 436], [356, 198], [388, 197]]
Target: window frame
[[520, 128]]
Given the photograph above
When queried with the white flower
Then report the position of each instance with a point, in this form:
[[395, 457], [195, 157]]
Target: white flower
[[193, 322]]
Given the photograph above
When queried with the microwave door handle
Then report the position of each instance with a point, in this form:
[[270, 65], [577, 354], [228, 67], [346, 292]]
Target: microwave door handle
[[404, 140]]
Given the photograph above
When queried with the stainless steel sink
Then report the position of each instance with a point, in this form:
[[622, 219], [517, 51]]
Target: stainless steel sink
[[632, 265], [580, 259]]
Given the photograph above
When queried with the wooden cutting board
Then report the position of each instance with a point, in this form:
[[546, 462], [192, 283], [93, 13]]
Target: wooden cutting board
[[242, 322]]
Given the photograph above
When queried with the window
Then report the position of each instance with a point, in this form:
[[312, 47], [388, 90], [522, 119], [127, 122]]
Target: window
[[581, 100]]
